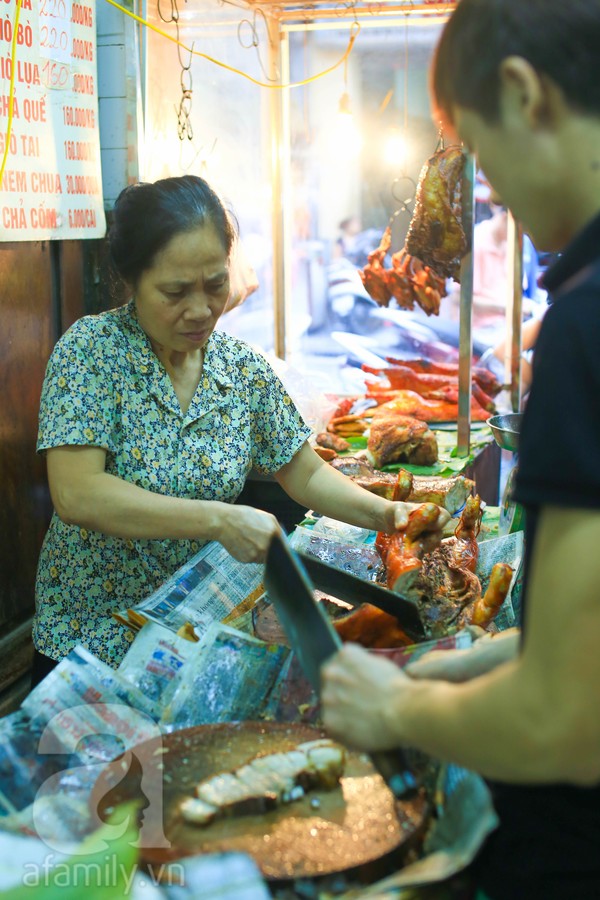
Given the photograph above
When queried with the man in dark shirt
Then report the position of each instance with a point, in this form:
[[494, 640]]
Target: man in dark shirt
[[520, 82]]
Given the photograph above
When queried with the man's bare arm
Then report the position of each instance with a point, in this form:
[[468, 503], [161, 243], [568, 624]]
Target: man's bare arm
[[531, 720]]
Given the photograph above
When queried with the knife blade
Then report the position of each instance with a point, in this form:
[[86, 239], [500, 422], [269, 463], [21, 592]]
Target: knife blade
[[314, 640], [355, 591]]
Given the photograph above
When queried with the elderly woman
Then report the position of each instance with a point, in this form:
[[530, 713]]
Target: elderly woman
[[151, 421]]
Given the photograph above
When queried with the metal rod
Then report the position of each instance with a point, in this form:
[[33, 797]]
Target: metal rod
[[277, 206], [384, 7], [408, 7], [514, 243], [286, 187], [465, 339], [328, 19]]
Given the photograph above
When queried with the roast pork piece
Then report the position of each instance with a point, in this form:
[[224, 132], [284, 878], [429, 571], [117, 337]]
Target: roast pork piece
[[451, 493], [332, 442], [436, 235], [395, 438], [443, 581]]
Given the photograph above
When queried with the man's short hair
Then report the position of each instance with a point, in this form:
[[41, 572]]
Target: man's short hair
[[559, 38]]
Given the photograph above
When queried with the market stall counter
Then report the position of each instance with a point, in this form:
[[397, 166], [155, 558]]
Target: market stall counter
[[482, 465], [203, 699]]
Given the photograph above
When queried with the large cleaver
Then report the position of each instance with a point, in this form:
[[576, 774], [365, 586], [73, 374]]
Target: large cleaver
[[314, 640], [355, 591]]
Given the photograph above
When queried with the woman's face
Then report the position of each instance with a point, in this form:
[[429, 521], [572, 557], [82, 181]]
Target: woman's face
[[180, 298]]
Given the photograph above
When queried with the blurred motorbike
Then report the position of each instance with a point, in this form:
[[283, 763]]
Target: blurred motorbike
[[352, 310]]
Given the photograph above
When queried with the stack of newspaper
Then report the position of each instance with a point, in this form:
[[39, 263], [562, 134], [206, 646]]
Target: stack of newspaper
[[207, 589]]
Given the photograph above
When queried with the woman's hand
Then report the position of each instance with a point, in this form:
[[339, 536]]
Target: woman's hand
[[245, 532], [396, 516], [358, 696]]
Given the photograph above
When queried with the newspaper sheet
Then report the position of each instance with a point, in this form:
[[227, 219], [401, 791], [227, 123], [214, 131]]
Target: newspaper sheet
[[86, 708], [204, 590], [81, 715], [232, 678], [156, 664]]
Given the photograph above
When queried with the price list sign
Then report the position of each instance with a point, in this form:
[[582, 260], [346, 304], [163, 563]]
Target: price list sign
[[52, 186]]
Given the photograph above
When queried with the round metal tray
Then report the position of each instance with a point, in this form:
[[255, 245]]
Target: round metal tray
[[506, 430]]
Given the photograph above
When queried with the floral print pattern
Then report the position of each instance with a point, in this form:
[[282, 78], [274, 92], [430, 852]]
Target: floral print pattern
[[105, 387]]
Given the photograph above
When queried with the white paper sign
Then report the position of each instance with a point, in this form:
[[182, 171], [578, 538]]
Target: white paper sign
[[52, 184]]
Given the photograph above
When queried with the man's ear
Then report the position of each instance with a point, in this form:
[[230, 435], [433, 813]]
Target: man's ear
[[527, 93]]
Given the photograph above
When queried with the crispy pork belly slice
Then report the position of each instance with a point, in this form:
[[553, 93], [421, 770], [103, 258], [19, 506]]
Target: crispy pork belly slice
[[326, 762], [197, 812], [224, 789], [275, 774], [260, 783], [285, 764], [266, 782]]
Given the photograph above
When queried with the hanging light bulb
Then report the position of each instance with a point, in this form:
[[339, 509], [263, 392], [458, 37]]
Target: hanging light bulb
[[394, 149], [396, 145], [344, 108], [346, 141]]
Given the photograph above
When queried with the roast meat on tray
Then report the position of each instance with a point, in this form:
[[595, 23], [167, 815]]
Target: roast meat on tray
[[394, 438], [440, 579], [451, 493]]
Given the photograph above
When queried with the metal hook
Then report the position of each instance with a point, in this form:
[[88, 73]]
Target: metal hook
[[184, 125], [440, 143], [181, 63], [164, 18], [404, 201]]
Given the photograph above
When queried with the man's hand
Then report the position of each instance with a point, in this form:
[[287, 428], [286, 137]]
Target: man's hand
[[358, 694], [448, 665], [486, 654]]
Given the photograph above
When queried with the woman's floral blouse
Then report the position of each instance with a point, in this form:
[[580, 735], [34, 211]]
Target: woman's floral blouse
[[105, 387]]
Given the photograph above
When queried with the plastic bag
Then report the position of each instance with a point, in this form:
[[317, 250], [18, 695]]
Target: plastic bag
[[307, 391]]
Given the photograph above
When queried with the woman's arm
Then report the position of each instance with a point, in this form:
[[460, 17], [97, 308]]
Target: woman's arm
[[531, 720], [84, 494], [317, 485]]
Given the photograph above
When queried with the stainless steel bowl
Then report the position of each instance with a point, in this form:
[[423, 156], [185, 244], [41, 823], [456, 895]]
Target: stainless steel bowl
[[506, 430]]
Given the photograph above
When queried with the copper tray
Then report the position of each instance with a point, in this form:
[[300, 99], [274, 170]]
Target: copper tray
[[267, 627], [357, 823]]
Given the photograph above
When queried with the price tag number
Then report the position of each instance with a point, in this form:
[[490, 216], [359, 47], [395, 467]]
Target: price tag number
[[54, 39], [55, 75], [55, 9]]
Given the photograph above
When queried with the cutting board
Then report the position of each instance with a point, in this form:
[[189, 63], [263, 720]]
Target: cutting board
[[324, 832]]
